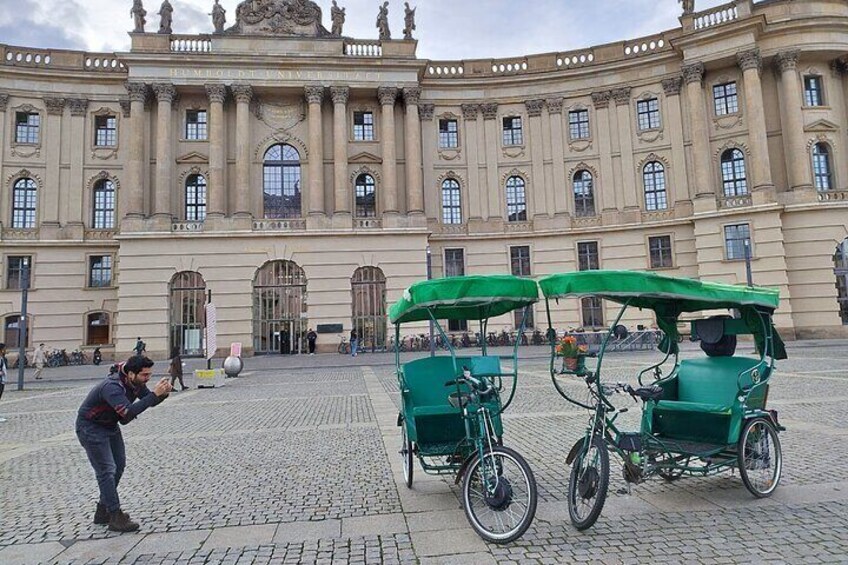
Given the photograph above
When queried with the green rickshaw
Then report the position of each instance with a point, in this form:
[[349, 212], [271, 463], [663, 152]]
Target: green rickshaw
[[451, 405], [699, 416]]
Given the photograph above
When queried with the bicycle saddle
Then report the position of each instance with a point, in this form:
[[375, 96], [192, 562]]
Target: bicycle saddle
[[646, 393]]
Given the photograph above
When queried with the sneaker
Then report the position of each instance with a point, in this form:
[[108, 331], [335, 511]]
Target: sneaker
[[185, 388], [120, 521], [101, 515]]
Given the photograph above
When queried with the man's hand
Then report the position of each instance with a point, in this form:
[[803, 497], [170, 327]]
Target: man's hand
[[163, 387]]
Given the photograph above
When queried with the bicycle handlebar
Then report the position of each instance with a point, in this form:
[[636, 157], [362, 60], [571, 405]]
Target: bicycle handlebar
[[478, 385]]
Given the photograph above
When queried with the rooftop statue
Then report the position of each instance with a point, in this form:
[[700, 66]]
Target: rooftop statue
[[688, 6], [338, 16], [138, 12], [165, 13], [279, 17], [409, 22], [383, 22], [219, 17]]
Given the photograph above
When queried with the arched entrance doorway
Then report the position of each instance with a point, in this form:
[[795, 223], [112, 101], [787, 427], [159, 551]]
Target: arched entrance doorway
[[368, 287], [188, 314], [279, 308], [840, 261]]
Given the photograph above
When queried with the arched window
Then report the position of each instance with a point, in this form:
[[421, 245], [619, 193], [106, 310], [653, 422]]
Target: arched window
[[822, 167], [733, 174], [97, 328], [104, 205], [281, 182], [584, 194], [188, 313], [451, 202], [12, 329], [368, 287], [516, 200], [279, 308], [655, 195], [24, 199], [366, 197], [195, 198]]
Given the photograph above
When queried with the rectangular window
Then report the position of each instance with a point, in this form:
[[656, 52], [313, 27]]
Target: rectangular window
[[448, 134], [592, 309], [587, 256], [15, 265], [648, 112], [454, 262], [735, 238], [513, 132], [196, 125], [26, 127], [813, 95], [578, 124], [105, 131], [519, 259], [363, 126], [726, 99], [100, 271], [660, 249]]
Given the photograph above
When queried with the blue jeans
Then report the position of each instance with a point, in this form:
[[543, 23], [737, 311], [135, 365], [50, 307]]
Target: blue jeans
[[353, 344], [108, 457]]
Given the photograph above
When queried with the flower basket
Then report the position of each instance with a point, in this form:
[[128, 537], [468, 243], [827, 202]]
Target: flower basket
[[571, 363]]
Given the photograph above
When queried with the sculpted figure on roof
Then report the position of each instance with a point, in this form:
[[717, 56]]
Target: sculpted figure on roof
[[279, 17]]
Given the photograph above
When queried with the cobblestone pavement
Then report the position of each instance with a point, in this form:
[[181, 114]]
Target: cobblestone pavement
[[296, 462]]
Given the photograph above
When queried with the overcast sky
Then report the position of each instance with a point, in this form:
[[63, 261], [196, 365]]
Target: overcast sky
[[447, 29]]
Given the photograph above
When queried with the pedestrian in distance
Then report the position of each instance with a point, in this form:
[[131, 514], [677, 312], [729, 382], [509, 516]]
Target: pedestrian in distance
[[118, 399], [311, 338], [176, 368], [39, 359], [354, 342], [140, 347], [4, 368]]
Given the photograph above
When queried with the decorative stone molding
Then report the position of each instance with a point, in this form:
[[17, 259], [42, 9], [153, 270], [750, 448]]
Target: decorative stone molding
[[534, 107], [55, 106], [489, 110], [453, 175], [366, 170], [516, 173], [693, 72], [470, 111], [426, 112], [728, 121], [340, 94], [601, 99], [216, 93], [4, 102], [165, 92], [671, 86], [621, 95], [786, 60], [78, 106], [583, 166], [126, 108], [314, 94], [243, 93], [412, 96], [23, 174], [103, 175], [387, 95], [651, 157], [138, 91], [750, 59], [194, 170], [820, 138], [731, 144], [554, 105], [277, 138]]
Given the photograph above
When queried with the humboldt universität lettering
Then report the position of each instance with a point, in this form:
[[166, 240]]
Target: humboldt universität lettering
[[275, 74]]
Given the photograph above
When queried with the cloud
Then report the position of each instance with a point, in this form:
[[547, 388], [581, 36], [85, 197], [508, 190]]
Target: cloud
[[31, 24]]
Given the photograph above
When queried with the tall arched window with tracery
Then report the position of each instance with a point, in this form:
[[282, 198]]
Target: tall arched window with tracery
[[733, 175], [584, 194], [653, 175], [368, 287], [451, 202], [195, 198], [24, 202], [822, 167], [366, 196], [279, 308], [281, 182], [104, 205], [516, 200], [188, 313]]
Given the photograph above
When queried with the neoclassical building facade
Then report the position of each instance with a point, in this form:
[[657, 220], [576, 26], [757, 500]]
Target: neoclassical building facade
[[299, 178]]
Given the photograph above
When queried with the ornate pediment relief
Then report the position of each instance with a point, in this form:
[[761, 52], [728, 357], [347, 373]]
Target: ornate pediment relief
[[193, 158], [364, 158], [300, 18], [821, 125]]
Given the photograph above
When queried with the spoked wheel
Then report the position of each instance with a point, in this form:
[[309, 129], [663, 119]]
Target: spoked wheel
[[588, 484], [407, 455], [499, 495], [760, 457]]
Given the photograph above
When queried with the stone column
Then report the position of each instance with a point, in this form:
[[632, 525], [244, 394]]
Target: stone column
[[243, 94], [536, 194], [76, 190], [387, 96], [677, 191], [791, 102], [604, 186], [49, 200], [693, 76], [490, 199], [5, 194], [559, 186], [341, 185], [132, 190], [751, 65], [414, 181], [432, 196], [315, 100], [216, 204], [628, 193], [165, 95], [470, 112]]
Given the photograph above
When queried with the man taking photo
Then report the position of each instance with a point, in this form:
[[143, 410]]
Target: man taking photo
[[119, 398]]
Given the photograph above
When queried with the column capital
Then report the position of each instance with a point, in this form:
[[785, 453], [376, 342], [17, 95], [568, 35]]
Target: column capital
[[839, 66], [470, 111], [138, 91], [621, 95], [749, 59], [165, 92], [534, 107], [601, 99], [340, 94], [554, 105], [387, 95], [786, 60], [4, 102], [314, 94], [243, 93], [78, 106], [490, 110], [671, 86], [426, 112], [412, 96], [693, 72], [55, 106], [217, 93]]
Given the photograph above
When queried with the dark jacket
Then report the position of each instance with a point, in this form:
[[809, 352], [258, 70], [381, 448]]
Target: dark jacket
[[115, 401]]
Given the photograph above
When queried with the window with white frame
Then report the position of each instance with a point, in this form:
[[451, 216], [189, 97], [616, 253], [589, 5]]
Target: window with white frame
[[105, 131], [519, 261], [813, 92], [578, 124], [196, 125], [588, 259], [363, 126], [366, 196], [656, 197], [103, 217], [648, 113], [513, 131], [15, 267], [822, 167], [24, 201], [584, 196], [195, 198], [451, 202], [659, 248], [725, 98], [516, 200], [736, 238], [448, 134], [455, 267], [733, 175], [100, 271], [27, 125]]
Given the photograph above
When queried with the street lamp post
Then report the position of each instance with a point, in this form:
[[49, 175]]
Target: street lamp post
[[748, 273], [430, 276], [22, 326]]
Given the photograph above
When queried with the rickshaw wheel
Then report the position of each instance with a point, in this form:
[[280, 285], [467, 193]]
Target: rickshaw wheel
[[760, 457], [408, 456], [503, 513], [588, 484]]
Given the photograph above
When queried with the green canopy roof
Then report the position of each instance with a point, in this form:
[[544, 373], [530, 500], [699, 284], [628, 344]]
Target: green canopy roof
[[658, 292], [476, 297]]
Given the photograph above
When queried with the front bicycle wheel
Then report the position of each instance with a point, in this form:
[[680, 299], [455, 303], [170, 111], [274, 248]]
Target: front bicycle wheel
[[588, 484], [760, 457], [407, 455], [499, 495]]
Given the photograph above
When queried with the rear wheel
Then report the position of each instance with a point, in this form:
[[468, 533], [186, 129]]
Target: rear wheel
[[407, 455], [499, 495], [760, 457], [588, 484]]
